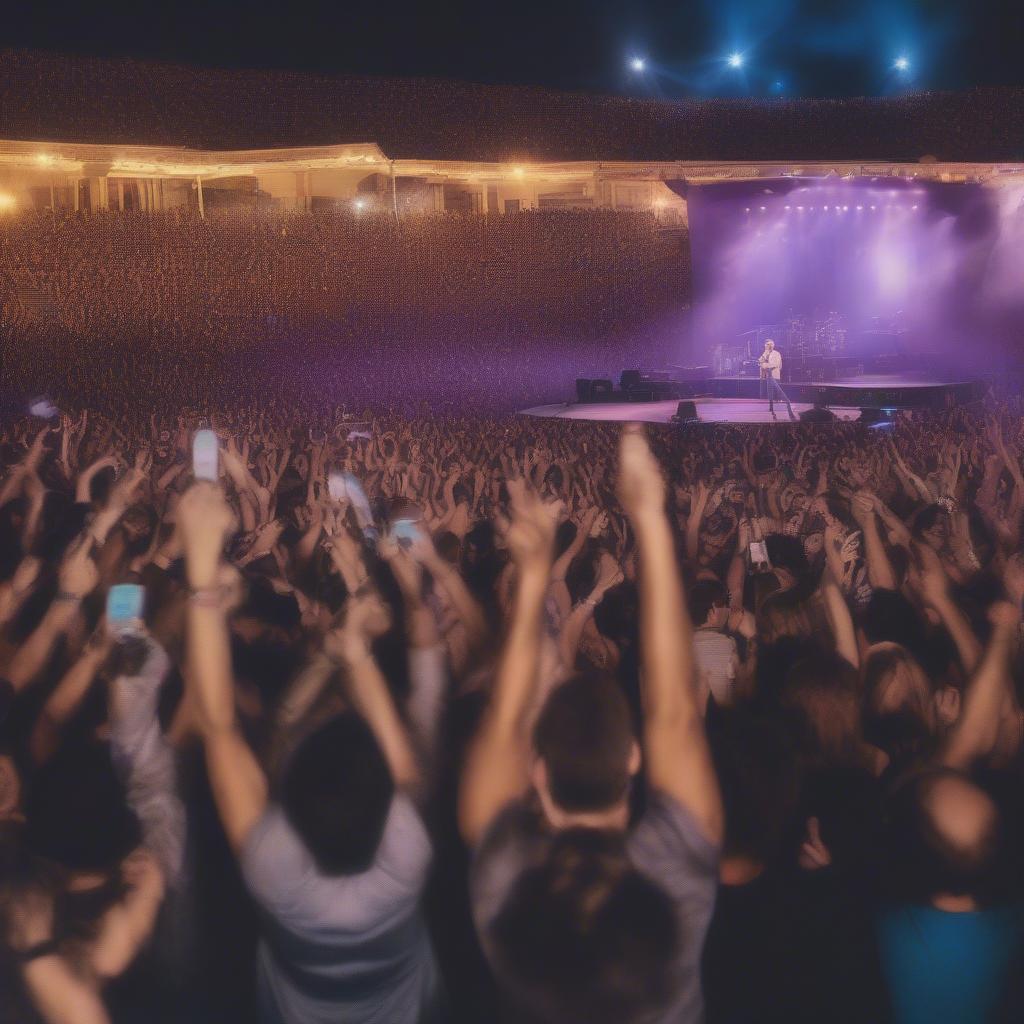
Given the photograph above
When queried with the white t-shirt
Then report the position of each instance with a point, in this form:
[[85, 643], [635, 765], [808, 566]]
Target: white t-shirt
[[349, 948], [715, 655], [774, 362]]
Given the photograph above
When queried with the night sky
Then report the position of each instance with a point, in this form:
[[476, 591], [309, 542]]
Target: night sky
[[788, 47]]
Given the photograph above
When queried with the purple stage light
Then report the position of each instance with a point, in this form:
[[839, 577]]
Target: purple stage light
[[921, 281]]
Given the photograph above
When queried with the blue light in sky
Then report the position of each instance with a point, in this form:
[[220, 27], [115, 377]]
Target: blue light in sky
[[735, 59], [638, 64], [901, 63]]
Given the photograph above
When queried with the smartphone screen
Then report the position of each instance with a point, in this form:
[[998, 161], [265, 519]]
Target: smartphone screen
[[205, 455], [759, 552], [405, 531], [125, 607], [43, 408], [336, 487]]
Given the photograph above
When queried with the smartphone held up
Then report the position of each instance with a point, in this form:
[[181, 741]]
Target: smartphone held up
[[205, 456]]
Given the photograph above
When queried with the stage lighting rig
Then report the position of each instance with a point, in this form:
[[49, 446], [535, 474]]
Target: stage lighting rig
[[638, 64], [735, 59], [902, 64]]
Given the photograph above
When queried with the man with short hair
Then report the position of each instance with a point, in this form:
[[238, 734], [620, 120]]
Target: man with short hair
[[338, 863], [770, 363], [714, 651], [951, 937], [583, 916]]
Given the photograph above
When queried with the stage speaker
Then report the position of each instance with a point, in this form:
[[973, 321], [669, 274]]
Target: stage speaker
[[591, 390], [686, 412]]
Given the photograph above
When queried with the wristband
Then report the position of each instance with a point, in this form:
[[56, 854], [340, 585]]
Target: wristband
[[67, 597]]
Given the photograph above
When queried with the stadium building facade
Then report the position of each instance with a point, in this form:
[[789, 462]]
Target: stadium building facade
[[93, 177]]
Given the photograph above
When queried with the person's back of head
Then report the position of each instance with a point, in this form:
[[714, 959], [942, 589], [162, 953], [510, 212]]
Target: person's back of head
[[337, 792], [944, 841], [821, 689], [77, 813], [706, 597], [788, 614], [584, 737], [759, 779], [901, 706], [584, 937]]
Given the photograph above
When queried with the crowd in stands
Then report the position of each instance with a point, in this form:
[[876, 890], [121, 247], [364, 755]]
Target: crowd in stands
[[485, 719], [108, 101], [448, 308]]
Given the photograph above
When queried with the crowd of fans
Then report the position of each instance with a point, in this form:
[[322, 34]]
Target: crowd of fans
[[355, 306], [108, 101], [480, 719]]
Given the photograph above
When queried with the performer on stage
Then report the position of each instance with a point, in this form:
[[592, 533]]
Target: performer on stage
[[771, 372]]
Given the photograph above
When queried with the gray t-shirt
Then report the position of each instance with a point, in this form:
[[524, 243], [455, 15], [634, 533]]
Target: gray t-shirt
[[666, 844], [349, 948]]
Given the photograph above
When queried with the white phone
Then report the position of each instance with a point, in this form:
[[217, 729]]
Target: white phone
[[43, 408], [759, 552], [205, 456], [337, 487]]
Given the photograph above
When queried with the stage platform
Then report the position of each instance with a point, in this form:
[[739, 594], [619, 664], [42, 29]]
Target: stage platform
[[864, 391], [735, 400], [709, 410]]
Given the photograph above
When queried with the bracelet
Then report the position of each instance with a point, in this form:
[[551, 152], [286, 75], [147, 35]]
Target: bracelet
[[67, 597]]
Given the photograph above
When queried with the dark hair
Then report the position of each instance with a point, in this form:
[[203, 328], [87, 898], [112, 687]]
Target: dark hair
[[890, 616], [584, 736], [821, 690], [705, 595], [584, 938], [787, 552], [926, 518], [759, 776], [337, 792], [923, 862], [76, 810]]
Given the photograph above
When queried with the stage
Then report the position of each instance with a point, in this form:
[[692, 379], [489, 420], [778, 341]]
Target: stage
[[735, 400]]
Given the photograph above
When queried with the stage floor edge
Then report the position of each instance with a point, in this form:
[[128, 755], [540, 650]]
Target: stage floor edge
[[737, 399], [709, 410]]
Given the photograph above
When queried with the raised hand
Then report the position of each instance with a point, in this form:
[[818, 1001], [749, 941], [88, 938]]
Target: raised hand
[[205, 521], [640, 485], [78, 573], [531, 532]]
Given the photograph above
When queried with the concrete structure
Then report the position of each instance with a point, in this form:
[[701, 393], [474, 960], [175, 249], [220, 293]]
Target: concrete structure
[[73, 176]]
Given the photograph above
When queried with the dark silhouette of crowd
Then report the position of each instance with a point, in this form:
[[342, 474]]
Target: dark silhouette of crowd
[[475, 718]]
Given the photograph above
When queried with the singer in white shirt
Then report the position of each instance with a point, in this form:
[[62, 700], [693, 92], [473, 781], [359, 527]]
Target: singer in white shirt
[[771, 365]]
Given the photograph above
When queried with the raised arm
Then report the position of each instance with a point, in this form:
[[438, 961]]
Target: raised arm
[[988, 694], [609, 575], [880, 571], [675, 746], [934, 590], [78, 576], [67, 698], [236, 778], [497, 767], [367, 617]]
